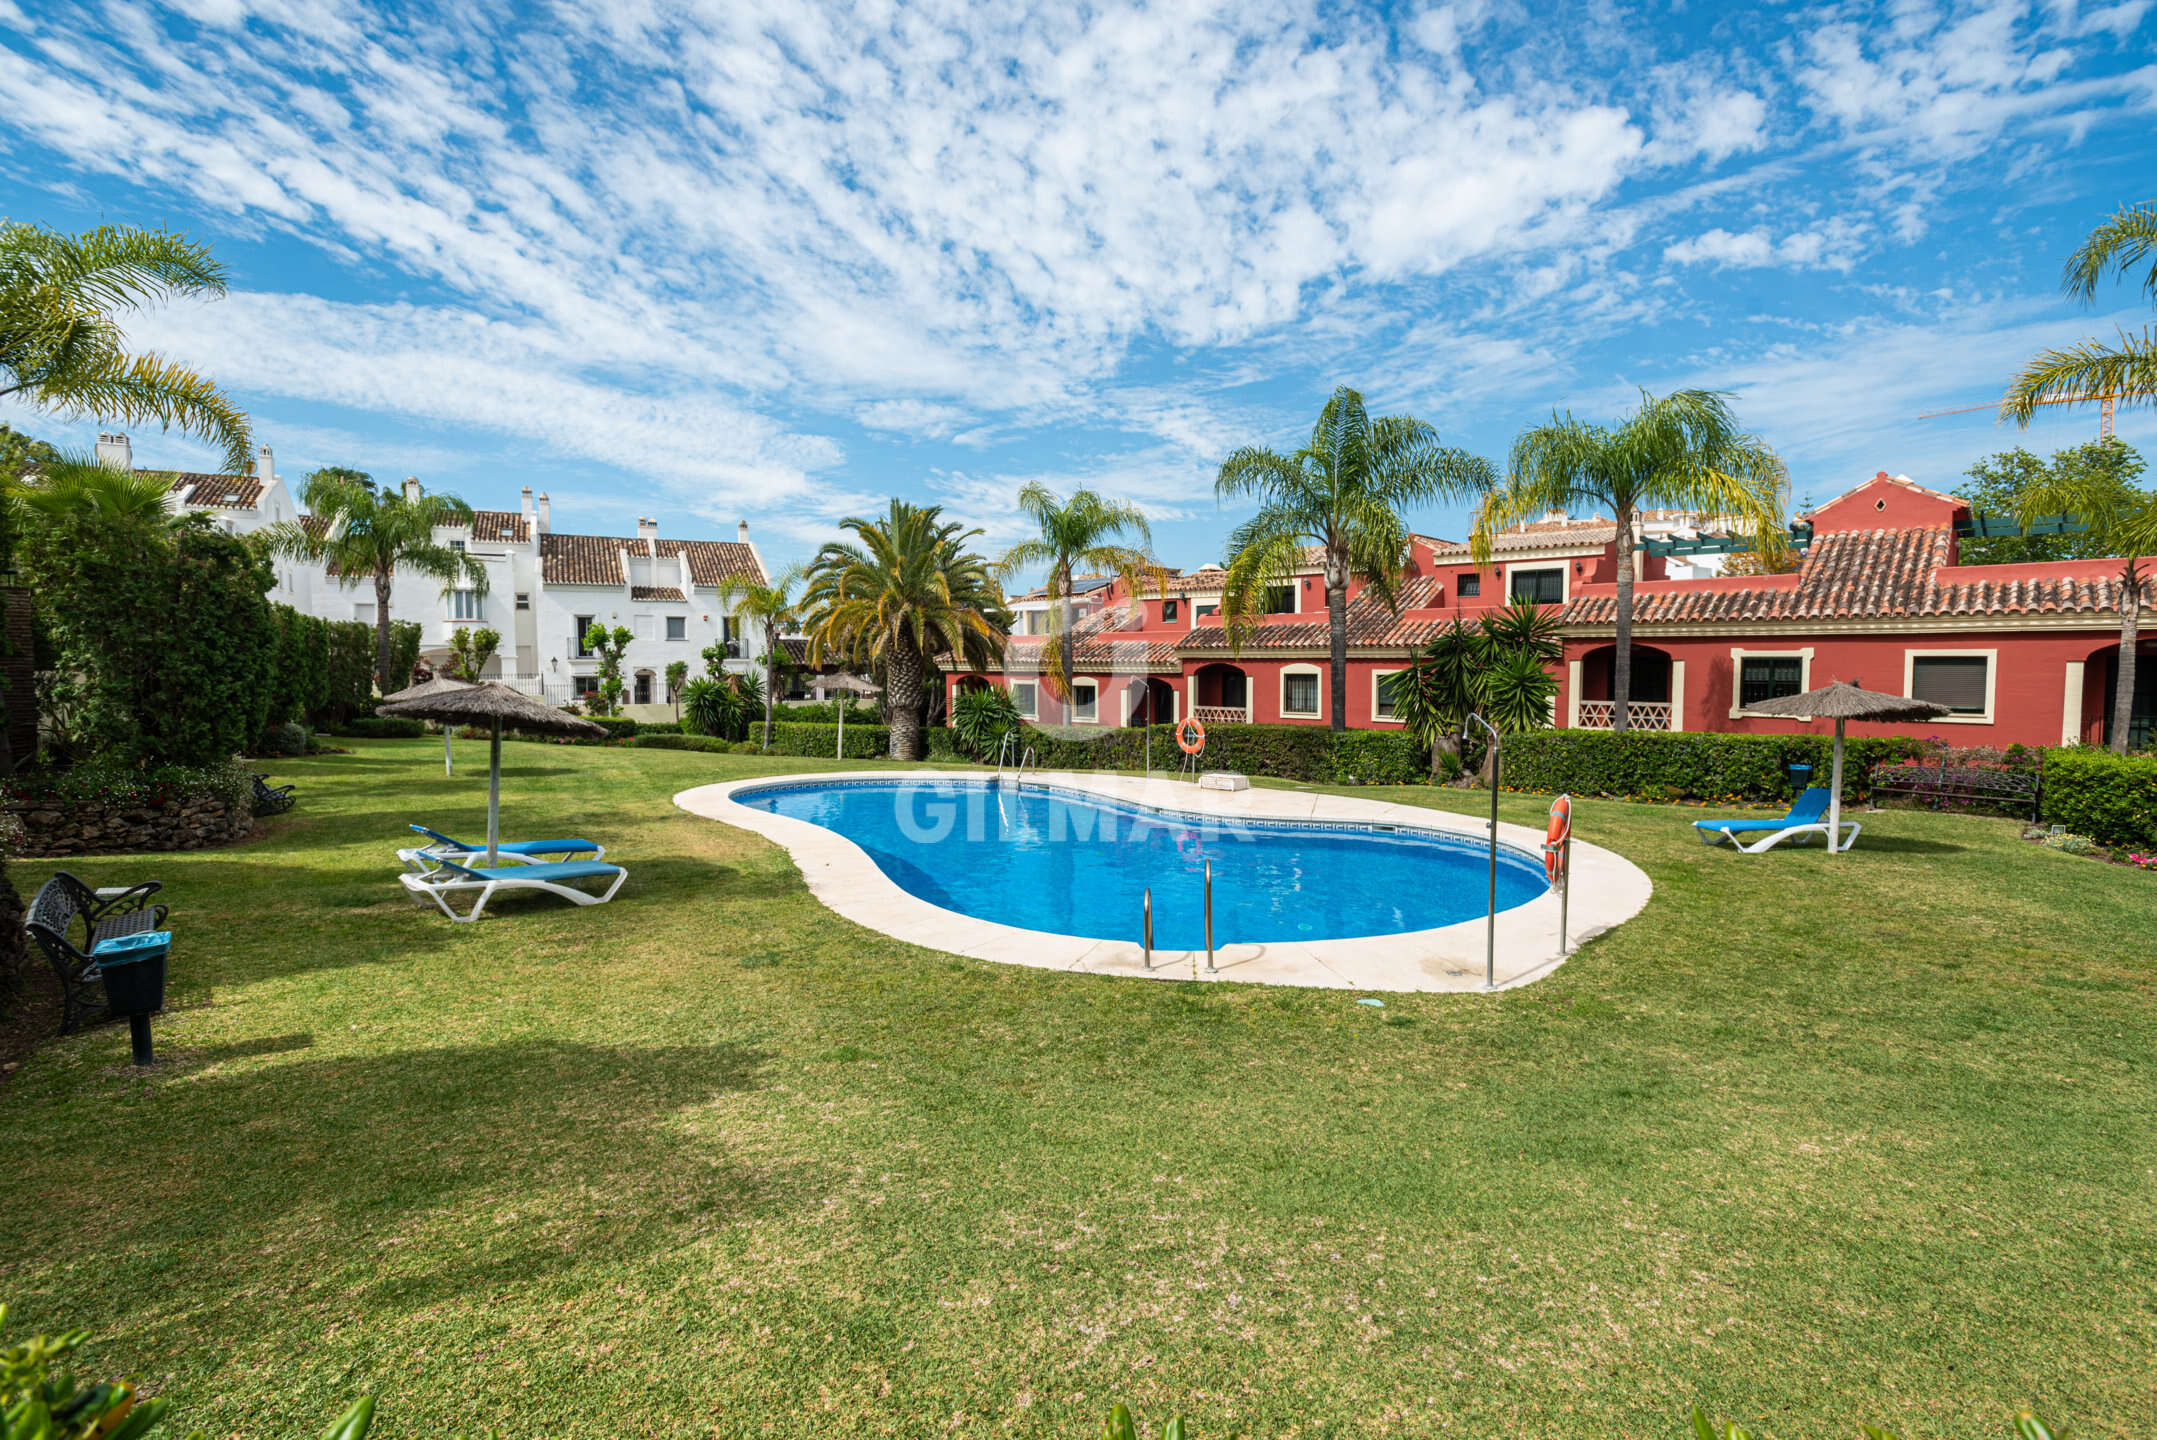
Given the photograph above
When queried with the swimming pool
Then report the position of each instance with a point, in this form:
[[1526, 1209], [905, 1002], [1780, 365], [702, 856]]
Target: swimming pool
[[1070, 863]]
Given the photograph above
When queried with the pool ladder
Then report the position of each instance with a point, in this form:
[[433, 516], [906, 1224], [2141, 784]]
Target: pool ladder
[[1009, 751]]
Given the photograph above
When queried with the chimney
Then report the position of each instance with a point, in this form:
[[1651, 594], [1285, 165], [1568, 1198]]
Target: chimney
[[115, 451], [741, 533], [648, 532], [265, 466], [411, 487], [544, 523]]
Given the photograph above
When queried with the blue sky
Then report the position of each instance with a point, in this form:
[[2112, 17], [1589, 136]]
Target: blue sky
[[775, 260]]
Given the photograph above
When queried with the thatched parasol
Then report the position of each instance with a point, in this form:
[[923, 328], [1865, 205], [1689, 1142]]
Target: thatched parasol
[[496, 705], [1842, 702], [440, 685]]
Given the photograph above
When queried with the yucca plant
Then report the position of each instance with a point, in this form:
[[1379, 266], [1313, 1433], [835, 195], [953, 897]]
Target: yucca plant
[[980, 719], [1497, 668]]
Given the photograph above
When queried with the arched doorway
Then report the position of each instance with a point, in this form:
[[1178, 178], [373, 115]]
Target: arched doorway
[[1221, 693], [1153, 702], [2101, 696], [644, 688], [1648, 698]]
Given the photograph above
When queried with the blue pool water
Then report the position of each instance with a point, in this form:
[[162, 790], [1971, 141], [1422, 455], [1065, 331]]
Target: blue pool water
[[1078, 865]]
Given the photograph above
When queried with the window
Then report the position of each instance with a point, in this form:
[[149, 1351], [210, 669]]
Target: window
[[1022, 696], [1280, 599], [1200, 612], [457, 545], [1169, 610], [1963, 683], [1299, 693], [524, 601], [1768, 677], [583, 685], [1085, 700], [1544, 587], [465, 605], [1382, 697], [1468, 587], [583, 624], [730, 636], [677, 627]]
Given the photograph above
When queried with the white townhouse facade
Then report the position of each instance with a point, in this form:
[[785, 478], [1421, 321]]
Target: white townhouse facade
[[545, 588]]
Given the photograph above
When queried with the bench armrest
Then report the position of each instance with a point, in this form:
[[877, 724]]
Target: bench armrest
[[131, 897]]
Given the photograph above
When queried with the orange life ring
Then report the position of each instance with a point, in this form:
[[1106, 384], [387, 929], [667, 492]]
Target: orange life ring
[[1190, 735], [1554, 838]]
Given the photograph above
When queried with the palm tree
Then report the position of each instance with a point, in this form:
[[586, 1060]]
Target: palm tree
[[1343, 492], [1684, 451], [61, 347], [907, 588], [1073, 537], [1498, 668], [75, 484], [363, 532], [2093, 372], [2124, 521], [773, 607]]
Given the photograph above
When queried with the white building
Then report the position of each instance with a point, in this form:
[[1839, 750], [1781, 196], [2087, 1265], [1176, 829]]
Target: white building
[[545, 589]]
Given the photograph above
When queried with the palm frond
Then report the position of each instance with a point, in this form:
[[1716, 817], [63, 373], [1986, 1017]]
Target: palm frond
[[2083, 374], [2121, 243]]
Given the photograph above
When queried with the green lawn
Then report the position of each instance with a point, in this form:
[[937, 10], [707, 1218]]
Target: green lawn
[[1813, 1140]]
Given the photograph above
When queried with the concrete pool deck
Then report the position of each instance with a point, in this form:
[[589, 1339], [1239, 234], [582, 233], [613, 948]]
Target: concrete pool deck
[[1607, 890]]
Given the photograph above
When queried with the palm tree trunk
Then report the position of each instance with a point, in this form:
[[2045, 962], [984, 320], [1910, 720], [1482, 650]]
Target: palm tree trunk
[[2123, 698], [1337, 639], [771, 681], [381, 631], [1062, 627], [904, 676], [1621, 668]]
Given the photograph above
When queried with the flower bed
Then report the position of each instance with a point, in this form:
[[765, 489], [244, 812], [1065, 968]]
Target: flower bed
[[90, 811]]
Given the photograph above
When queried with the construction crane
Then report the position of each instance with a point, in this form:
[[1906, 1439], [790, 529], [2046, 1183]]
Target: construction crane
[[2104, 411]]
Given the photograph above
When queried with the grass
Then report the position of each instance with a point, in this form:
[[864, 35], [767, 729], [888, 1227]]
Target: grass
[[1814, 1140]]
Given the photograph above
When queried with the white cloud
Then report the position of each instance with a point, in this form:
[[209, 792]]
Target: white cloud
[[1835, 245]]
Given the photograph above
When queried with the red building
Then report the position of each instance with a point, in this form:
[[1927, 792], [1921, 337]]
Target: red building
[[2023, 653]]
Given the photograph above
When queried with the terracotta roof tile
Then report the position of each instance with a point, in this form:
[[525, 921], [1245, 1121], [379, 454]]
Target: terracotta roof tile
[[1859, 575], [1370, 626], [227, 492], [711, 561], [500, 526], [581, 559], [655, 592]]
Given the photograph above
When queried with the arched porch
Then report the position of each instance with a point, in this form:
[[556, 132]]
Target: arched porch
[[1153, 701], [1654, 701], [1221, 694], [2100, 696]]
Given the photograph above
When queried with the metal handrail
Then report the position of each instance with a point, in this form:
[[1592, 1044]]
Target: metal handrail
[[1490, 931], [1019, 783]]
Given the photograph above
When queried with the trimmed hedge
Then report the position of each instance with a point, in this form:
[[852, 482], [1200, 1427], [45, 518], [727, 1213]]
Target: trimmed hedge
[[663, 740], [2112, 798], [1655, 765], [820, 742], [383, 727], [620, 727]]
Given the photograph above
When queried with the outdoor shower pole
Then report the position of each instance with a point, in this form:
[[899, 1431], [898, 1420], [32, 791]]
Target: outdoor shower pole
[[1490, 925], [1209, 917], [1149, 927], [845, 704]]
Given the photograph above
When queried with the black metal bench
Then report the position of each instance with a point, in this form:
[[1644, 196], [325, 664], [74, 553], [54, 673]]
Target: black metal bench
[[272, 799], [63, 901]]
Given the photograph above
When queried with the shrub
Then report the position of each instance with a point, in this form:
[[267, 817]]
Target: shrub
[[285, 739], [383, 727], [661, 740], [348, 684], [820, 742], [1654, 765], [980, 719], [826, 712], [2112, 798], [1379, 757], [619, 727], [124, 788], [2070, 843]]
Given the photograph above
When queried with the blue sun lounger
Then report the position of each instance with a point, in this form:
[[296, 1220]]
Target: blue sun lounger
[[451, 876], [422, 859], [1807, 818]]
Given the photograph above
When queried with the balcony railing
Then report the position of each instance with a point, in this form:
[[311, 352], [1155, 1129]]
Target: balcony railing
[[1221, 714], [1639, 714]]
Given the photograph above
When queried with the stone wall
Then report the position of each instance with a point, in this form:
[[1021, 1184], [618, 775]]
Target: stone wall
[[178, 824]]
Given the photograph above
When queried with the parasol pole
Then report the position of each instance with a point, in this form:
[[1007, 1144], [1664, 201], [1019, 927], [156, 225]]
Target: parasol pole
[[1834, 794], [846, 703], [494, 792], [448, 731]]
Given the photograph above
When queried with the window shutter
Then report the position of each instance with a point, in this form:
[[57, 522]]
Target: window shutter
[[1956, 681]]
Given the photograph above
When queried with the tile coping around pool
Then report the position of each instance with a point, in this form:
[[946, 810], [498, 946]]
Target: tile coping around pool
[[1607, 890]]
